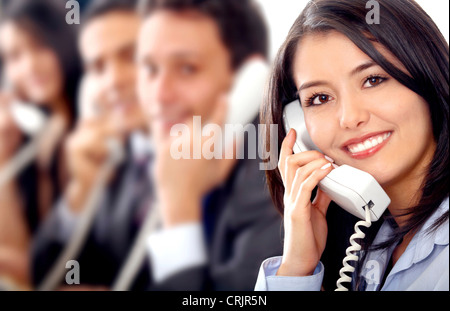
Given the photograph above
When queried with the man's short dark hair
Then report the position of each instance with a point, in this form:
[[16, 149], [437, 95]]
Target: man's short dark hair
[[240, 22], [98, 8]]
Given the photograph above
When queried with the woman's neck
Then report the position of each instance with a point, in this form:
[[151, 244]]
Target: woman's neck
[[405, 192]]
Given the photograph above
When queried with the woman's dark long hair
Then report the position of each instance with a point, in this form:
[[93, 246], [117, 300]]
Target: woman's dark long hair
[[407, 32], [45, 20]]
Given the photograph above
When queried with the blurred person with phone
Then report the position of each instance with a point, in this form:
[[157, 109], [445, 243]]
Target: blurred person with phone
[[40, 74], [218, 222], [110, 110]]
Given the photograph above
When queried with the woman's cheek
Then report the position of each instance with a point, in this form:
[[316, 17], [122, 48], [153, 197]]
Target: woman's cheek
[[51, 69], [321, 132]]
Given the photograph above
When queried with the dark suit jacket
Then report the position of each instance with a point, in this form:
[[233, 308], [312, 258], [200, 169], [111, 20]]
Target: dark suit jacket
[[243, 229]]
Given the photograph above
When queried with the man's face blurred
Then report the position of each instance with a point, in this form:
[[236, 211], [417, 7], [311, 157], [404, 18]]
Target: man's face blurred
[[107, 47], [184, 68]]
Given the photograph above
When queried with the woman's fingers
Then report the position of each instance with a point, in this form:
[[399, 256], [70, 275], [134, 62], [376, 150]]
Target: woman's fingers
[[285, 151], [303, 196], [300, 161], [305, 180], [302, 173], [321, 202]]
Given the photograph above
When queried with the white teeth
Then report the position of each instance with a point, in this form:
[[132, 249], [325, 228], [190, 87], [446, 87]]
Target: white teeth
[[369, 143], [360, 147]]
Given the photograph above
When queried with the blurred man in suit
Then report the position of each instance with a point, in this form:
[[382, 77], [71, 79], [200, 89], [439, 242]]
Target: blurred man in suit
[[218, 221], [110, 111]]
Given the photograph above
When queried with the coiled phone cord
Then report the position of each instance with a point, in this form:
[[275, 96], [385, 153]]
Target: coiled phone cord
[[352, 250]]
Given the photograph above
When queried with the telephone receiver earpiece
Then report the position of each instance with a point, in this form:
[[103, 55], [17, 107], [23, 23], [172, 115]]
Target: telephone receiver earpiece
[[246, 96], [33, 123], [351, 188], [28, 118], [244, 99]]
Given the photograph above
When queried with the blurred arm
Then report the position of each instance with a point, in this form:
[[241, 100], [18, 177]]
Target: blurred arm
[[247, 231], [13, 229], [14, 236], [176, 249]]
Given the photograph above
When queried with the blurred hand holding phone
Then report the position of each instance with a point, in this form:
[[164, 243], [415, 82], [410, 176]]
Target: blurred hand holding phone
[[93, 150], [179, 196], [18, 119], [95, 141]]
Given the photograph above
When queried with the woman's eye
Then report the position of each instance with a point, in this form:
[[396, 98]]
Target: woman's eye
[[374, 81], [320, 99]]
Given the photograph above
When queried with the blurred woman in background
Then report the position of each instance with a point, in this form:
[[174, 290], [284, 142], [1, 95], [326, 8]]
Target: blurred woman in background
[[40, 66]]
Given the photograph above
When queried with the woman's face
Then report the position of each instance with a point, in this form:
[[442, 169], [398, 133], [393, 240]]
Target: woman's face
[[359, 115], [31, 68]]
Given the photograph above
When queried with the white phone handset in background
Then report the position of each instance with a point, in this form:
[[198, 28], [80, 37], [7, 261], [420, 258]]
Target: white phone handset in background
[[31, 122], [350, 188], [86, 104], [247, 93], [28, 118]]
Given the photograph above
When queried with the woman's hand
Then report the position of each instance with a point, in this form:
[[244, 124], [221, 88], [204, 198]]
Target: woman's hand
[[304, 223]]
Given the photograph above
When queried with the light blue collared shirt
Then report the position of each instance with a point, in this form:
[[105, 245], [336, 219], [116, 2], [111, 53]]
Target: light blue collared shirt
[[424, 266]]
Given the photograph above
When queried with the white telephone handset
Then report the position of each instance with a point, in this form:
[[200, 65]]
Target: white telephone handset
[[247, 94], [32, 122], [350, 188], [355, 191]]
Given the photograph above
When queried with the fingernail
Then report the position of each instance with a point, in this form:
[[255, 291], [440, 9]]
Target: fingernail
[[329, 159], [325, 166]]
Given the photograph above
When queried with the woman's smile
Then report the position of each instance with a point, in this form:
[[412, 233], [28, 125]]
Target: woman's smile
[[367, 145]]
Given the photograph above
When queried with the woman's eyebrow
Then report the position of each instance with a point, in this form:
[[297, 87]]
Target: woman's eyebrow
[[362, 67], [307, 85], [366, 65]]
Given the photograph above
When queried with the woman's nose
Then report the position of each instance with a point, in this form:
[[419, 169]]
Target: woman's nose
[[353, 113]]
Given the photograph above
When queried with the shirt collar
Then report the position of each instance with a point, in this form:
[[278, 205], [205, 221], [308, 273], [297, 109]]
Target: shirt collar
[[418, 249], [424, 240], [141, 145]]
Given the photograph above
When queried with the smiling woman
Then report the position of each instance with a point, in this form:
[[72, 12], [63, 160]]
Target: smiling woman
[[374, 97]]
